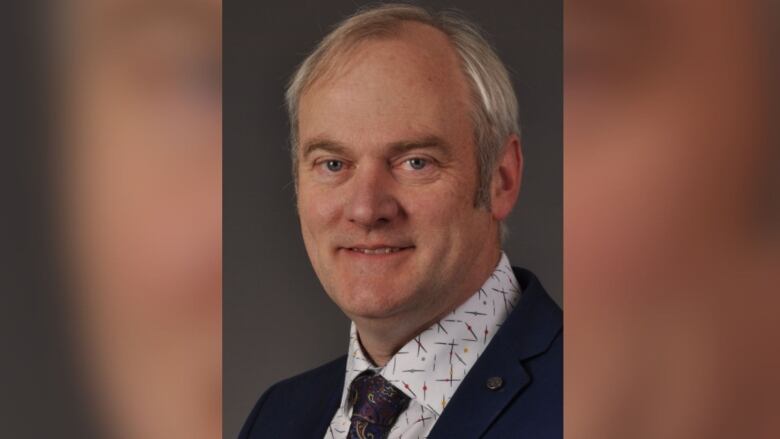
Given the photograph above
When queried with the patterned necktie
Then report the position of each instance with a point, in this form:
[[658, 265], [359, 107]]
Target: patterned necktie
[[376, 405]]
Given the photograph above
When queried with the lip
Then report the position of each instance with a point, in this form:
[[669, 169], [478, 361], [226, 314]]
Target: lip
[[375, 249]]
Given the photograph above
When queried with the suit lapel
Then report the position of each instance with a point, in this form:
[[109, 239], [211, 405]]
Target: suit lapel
[[528, 331], [474, 407], [330, 404]]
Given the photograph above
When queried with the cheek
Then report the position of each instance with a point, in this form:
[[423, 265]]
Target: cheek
[[318, 211], [426, 211], [447, 210]]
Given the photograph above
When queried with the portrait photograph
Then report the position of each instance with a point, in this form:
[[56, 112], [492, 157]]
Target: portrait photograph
[[392, 219], [355, 219]]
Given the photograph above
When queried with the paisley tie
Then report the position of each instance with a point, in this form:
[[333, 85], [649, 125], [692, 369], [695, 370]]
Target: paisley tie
[[376, 405]]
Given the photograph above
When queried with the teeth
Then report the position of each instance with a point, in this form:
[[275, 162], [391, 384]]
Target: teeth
[[377, 251]]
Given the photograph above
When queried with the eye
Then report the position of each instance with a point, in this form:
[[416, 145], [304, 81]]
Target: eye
[[417, 163], [334, 165]]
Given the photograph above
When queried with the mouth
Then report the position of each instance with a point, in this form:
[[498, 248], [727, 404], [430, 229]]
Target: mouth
[[376, 250]]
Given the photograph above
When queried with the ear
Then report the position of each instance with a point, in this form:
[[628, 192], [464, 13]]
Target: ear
[[505, 184]]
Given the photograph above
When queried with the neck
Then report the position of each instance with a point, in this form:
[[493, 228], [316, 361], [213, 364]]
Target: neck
[[382, 338]]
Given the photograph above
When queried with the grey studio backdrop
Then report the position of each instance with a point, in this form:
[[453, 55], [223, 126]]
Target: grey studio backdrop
[[277, 320]]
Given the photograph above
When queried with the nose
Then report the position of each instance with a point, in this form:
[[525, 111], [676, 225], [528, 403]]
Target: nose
[[371, 203]]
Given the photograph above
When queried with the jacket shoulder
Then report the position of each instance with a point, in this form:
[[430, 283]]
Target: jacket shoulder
[[527, 354], [312, 396]]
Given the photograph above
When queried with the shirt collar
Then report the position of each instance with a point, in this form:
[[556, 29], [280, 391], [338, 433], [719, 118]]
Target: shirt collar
[[431, 366]]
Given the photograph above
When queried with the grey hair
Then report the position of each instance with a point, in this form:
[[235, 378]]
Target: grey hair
[[495, 110]]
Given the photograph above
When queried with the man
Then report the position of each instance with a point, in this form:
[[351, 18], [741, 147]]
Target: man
[[407, 159]]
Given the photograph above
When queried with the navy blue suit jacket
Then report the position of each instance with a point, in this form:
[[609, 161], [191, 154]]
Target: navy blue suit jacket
[[527, 353]]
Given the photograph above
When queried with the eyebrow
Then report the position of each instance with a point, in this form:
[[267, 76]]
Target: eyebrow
[[427, 142], [399, 147], [323, 145]]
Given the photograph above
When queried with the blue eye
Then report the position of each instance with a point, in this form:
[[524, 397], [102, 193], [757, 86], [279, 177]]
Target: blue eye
[[334, 165], [417, 163]]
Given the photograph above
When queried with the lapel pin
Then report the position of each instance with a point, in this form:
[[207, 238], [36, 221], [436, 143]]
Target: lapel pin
[[494, 383]]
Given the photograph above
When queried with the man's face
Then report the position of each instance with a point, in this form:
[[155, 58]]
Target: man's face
[[387, 176]]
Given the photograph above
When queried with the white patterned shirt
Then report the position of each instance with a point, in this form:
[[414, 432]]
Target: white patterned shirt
[[430, 367]]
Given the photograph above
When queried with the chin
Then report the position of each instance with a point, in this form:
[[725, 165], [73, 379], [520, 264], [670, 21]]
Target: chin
[[372, 303]]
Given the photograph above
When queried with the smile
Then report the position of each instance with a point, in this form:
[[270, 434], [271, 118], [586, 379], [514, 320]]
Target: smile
[[376, 251]]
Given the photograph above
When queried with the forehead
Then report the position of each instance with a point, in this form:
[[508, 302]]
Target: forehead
[[411, 42], [409, 83]]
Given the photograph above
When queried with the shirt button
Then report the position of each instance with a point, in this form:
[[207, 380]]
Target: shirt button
[[494, 383]]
